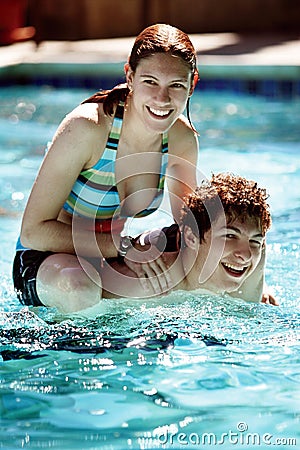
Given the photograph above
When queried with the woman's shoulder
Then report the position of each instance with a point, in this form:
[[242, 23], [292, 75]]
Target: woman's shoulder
[[182, 128], [91, 113], [86, 118], [182, 135]]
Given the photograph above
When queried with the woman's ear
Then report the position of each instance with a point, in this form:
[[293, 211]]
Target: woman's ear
[[195, 81], [128, 73], [190, 239]]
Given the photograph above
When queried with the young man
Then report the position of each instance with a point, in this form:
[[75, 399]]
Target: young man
[[223, 230]]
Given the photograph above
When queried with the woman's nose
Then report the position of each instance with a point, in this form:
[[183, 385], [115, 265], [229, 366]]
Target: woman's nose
[[162, 95]]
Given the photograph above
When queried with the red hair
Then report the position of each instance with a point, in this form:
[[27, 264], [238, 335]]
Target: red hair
[[159, 38]]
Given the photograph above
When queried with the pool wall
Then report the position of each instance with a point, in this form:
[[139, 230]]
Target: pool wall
[[270, 81]]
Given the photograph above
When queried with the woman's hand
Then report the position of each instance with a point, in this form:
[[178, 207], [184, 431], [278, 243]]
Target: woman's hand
[[147, 262]]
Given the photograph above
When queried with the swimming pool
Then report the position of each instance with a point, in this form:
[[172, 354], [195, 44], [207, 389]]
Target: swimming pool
[[186, 372]]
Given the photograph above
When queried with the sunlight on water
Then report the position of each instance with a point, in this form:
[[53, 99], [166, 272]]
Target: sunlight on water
[[164, 373]]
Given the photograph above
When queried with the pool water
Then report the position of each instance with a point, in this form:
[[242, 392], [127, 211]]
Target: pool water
[[188, 371]]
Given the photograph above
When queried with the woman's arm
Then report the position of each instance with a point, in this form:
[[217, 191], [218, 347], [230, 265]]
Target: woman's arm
[[74, 147], [182, 166]]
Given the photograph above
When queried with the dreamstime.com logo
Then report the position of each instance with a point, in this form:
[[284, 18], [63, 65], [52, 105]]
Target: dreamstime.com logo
[[164, 438]]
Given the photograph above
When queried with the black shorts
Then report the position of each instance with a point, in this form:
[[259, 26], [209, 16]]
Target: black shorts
[[25, 268]]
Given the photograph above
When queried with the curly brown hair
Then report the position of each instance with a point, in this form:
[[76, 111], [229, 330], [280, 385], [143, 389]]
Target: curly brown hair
[[225, 193]]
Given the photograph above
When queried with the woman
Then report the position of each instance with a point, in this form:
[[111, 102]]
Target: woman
[[107, 162]]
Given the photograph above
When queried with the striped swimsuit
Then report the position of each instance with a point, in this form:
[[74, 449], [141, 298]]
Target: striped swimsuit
[[94, 195]]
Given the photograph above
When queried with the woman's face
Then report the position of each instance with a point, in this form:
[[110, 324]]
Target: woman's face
[[161, 86]]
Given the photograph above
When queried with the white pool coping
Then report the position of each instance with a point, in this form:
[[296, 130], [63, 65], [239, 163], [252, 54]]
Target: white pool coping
[[222, 55]]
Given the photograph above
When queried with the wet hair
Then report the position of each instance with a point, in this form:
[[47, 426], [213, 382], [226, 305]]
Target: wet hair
[[162, 38], [225, 193], [158, 38]]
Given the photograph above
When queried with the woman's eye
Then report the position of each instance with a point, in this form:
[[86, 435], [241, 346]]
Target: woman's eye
[[256, 243], [151, 82], [178, 86]]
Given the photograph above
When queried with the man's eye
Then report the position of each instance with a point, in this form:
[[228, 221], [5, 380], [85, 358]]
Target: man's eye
[[230, 236]]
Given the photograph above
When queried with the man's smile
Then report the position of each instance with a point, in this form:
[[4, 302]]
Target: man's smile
[[234, 270]]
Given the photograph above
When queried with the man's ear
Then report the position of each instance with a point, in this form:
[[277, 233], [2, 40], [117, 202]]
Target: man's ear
[[190, 239]]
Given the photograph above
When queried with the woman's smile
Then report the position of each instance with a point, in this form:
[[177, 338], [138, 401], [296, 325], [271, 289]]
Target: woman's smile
[[159, 113]]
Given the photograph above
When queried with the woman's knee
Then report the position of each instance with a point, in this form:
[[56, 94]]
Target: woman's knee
[[68, 270], [68, 283]]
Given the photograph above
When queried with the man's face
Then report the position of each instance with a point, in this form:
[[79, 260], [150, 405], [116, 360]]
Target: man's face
[[240, 245]]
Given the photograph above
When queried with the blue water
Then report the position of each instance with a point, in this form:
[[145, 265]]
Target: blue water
[[188, 371]]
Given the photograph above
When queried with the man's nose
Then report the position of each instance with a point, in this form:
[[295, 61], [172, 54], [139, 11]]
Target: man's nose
[[243, 251]]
